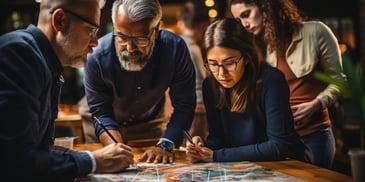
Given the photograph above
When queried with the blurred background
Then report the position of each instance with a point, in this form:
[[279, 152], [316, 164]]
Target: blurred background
[[345, 18]]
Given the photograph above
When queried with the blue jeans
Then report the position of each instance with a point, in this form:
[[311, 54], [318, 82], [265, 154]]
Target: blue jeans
[[322, 144]]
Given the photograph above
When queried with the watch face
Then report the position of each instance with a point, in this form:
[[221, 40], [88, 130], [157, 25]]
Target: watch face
[[166, 146]]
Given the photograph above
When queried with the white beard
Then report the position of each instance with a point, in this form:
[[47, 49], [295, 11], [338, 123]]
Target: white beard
[[131, 65]]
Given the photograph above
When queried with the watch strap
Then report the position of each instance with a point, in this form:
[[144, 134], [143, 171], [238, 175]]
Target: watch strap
[[165, 144]]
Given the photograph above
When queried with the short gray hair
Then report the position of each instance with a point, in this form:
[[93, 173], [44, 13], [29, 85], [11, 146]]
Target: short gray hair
[[138, 10]]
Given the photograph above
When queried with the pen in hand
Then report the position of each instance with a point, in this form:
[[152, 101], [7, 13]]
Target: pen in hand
[[131, 166], [188, 136], [190, 139], [107, 131]]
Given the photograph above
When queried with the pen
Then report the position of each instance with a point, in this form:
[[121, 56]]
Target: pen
[[132, 166], [188, 136], [101, 124]]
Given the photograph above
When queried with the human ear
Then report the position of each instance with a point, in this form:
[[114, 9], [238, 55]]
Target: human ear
[[58, 19]]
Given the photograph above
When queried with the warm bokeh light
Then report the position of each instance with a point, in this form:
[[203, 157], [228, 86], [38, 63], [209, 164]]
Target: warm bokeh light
[[213, 13], [209, 3]]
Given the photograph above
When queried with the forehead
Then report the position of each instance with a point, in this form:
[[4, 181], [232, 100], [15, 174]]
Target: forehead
[[124, 25], [238, 8], [221, 53]]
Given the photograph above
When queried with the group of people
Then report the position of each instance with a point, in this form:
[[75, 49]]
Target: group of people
[[261, 99]]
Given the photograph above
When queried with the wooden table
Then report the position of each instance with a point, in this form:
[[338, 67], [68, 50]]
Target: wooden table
[[73, 121], [295, 168]]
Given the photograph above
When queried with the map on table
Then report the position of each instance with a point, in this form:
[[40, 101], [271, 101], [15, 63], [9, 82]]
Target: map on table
[[231, 171]]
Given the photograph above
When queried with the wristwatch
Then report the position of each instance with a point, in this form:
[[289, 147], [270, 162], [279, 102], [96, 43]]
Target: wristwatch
[[165, 145]]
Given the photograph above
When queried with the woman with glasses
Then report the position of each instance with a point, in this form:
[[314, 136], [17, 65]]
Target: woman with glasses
[[247, 103]]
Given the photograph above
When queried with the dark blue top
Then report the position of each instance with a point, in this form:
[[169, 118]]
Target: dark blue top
[[121, 98], [266, 133], [30, 83]]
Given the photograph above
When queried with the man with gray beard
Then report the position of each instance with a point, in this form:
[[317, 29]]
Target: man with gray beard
[[128, 74]]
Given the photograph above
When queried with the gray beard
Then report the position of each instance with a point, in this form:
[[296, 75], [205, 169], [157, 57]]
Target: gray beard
[[129, 65]]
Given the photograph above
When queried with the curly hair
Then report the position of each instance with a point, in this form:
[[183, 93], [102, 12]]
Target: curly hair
[[280, 20]]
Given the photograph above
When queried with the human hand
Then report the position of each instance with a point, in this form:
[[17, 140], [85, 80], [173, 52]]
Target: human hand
[[197, 152], [193, 148], [197, 141], [305, 110], [112, 158], [157, 155]]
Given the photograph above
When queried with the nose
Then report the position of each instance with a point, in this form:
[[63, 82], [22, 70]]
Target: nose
[[131, 47], [221, 71], [94, 42], [245, 24]]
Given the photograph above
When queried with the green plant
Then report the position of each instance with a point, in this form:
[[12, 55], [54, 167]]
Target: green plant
[[353, 88]]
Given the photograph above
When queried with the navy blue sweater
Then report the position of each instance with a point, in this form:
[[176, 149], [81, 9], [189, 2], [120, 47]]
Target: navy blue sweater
[[122, 98], [266, 133]]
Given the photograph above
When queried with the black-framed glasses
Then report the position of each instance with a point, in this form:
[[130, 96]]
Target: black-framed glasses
[[93, 32], [228, 66], [140, 41]]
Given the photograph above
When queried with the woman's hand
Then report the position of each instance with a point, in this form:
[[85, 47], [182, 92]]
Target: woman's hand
[[197, 152]]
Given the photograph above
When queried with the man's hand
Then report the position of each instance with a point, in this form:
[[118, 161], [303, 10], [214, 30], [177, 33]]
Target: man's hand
[[113, 158], [157, 155]]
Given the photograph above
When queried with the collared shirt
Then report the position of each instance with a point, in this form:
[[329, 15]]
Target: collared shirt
[[30, 84], [121, 98], [314, 44]]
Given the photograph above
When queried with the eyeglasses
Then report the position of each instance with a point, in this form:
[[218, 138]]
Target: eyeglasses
[[227, 66], [140, 41], [93, 32]]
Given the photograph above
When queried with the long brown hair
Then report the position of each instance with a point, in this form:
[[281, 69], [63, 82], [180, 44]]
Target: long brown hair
[[230, 33], [281, 18]]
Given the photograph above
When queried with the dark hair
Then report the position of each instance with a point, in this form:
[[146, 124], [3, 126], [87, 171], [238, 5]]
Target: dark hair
[[280, 20], [193, 12], [229, 33]]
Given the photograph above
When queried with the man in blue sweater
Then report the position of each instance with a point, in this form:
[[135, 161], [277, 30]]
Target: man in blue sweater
[[31, 62], [127, 76]]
